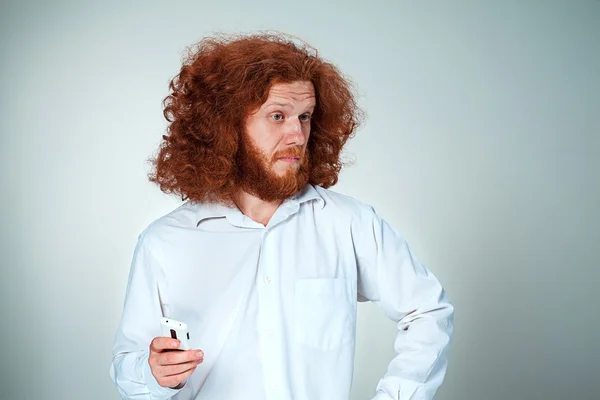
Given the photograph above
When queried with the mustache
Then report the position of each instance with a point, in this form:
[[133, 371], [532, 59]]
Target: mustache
[[291, 152]]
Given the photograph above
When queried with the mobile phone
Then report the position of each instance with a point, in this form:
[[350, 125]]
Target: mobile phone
[[176, 330]]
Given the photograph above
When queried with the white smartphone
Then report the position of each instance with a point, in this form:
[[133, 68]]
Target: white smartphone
[[176, 330]]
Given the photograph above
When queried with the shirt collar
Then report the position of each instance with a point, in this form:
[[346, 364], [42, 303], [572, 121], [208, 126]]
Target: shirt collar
[[213, 210], [308, 193], [216, 210]]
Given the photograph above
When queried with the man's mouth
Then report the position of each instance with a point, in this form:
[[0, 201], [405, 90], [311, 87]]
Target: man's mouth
[[289, 159]]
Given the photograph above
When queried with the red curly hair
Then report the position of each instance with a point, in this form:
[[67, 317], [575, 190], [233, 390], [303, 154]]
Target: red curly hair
[[223, 79]]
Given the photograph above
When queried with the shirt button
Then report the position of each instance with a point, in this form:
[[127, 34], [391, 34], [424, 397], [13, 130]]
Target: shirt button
[[271, 333], [273, 386], [267, 279]]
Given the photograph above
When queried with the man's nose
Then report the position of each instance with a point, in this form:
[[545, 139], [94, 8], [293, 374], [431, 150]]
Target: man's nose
[[293, 133]]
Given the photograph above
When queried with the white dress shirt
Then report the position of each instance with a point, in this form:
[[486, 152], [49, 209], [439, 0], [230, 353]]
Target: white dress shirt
[[274, 308]]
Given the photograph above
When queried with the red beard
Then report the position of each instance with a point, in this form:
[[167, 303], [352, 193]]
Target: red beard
[[256, 175]]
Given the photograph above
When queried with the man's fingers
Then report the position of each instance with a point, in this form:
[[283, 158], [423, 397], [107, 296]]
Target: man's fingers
[[171, 368], [179, 357], [177, 369], [174, 380], [160, 344]]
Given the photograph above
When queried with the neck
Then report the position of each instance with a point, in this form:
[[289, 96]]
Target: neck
[[253, 207]]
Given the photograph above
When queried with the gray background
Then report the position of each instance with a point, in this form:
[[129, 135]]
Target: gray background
[[481, 146]]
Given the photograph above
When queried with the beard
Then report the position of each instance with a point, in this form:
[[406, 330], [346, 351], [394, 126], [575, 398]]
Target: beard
[[257, 176]]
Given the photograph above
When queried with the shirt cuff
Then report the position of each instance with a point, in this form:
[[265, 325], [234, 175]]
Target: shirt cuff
[[156, 391], [406, 392]]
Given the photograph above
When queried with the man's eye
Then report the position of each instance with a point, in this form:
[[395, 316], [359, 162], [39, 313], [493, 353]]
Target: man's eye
[[277, 117], [305, 117]]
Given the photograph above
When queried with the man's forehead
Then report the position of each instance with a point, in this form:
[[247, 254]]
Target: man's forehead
[[298, 91]]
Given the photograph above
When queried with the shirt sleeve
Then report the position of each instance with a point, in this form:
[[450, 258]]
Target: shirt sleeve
[[140, 323], [410, 295]]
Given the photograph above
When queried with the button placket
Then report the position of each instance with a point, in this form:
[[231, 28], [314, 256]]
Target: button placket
[[268, 319]]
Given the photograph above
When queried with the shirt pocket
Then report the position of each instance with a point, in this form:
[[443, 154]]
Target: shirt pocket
[[324, 312]]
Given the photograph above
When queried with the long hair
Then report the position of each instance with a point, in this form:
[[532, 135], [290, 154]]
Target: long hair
[[222, 79]]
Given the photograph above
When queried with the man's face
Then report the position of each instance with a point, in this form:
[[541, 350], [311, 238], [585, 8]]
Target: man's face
[[274, 163]]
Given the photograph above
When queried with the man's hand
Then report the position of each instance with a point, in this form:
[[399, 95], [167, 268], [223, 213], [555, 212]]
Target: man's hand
[[169, 366]]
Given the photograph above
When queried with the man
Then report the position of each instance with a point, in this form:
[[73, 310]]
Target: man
[[263, 262]]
